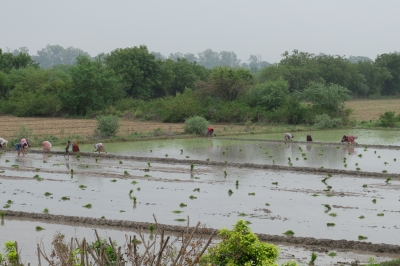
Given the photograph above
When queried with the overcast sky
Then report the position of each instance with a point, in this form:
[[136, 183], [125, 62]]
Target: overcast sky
[[268, 28]]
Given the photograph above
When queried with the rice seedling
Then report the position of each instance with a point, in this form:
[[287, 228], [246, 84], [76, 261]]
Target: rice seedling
[[362, 217], [388, 180], [187, 156], [288, 159], [329, 175], [114, 180], [223, 153], [192, 197], [380, 214], [242, 214], [252, 194], [230, 192], [10, 202], [15, 165], [138, 189], [305, 158], [275, 183], [324, 180], [384, 171], [328, 207], [130, 192], [151, 228], [181, 151], [134, 182], [237, 182], [379, 156], [360, 155], [166, 155], [247, 222], [46, 210], [358, 168], [180, 220], [289, 233], [360, 237], [120, 162], [78, 156], [345, 165], [122, 211], [191, 167], [65, 198], [48, 194], [332, 254], [148, 164], [374, 201], [375, 152], [329, 195], [39, 228], [297, 158], [7, 161], [356, 164], [267, 204], [146, 175], [177, 211], [137, 241], [151, 150], [134, 200], [330, 224], [208, 159], [385, 163], [126, 172], [82, 186], [394, 159], [315, 195], [102, 217], [240, 150], [365, 185], [225, 173], [87, 206], [97, 159], [333, 214], [313, 258], [6, 206], [197, 189], [226, 161], [72, 171], [182, 205]]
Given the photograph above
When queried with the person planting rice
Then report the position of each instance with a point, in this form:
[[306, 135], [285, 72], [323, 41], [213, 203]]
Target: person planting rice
[[75, 147], [67, 147], [209, 132], [46, 145], [288, 137], [3, 143], [24, 140], [21, 147], [99, 147], [309, 138], [349, 139]]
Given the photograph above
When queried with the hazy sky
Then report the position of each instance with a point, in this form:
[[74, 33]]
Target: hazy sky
[[340, 27]]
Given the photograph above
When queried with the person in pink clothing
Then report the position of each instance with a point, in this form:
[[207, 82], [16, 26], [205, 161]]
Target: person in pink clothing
[[349, 139], [46, 145]]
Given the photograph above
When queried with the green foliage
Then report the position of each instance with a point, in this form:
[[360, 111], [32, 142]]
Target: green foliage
[[241, 247], [324, 121], [107, 126], [269, 95], [391, 62], [10, 253], [108, 249], [388, 119], [196, 125]]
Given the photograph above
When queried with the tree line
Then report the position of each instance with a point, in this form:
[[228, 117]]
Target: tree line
[[138, 83]]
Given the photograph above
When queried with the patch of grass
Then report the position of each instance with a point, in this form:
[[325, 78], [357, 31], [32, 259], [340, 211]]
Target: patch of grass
[[362, 217], [374, 201], [126, 172], [192, 197], [332, 254], [114, 180], [252, 194], [289, 233], [122, 211], [177, 211], [360, 237], [380, 214], [87, 206], [330, 224], [39, 228], [242, 214], [134, 182], [333, 214], [82, 186], [48, 194], [182, 205], [180, 220], [65, 198], [46, 210]]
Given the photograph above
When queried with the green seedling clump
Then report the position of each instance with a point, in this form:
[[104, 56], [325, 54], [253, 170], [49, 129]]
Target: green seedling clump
[[82, 186], [365, 185], [182, 205], [46, 210], [65, 198], [374, 201], [138, 189], [327, 206], [388, 180], [252, 194], [121, 211], [274, 183], [126, 172], [192, 197], [230, 192], [332, 254], [130, 192], [134, 200], [380, 214], [134, 182], [330, 224], [180, 220], [362, 237], [87, 206], [333, 214], [313, 258], [48, 194], [191, 167], [39, 228], [242, 214], [151, 228], [237, 182], [148, 164], [315, 195], [177, 211], [97, 159], [289, 233], [10, 202], [120, 162], [114, 180], [196, 189], [362, 217]]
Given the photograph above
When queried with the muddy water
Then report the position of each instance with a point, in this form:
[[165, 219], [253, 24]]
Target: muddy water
[[23, 231], [290, 204], [340, 156]]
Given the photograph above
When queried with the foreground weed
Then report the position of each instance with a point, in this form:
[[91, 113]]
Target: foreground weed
[[360, 237], [313, 258], [289, 233], [87, 206], [39, 228], [46, 210]]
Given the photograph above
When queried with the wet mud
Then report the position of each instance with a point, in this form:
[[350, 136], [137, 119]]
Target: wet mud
[[303, 241]]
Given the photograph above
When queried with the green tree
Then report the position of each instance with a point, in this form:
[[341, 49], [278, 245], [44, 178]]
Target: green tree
[[56, 55], [138, 69], [8, 61], [328, 98], [391, 62], [241, 247], [268, 95], [94, 87]]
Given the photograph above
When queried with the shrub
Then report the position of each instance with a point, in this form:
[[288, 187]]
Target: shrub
[[241, 247], [324, 121], [388, 119], [107, 125], [196, 125]]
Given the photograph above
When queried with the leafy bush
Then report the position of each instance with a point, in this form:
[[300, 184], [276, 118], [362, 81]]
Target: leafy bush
[[107, 125], [241, 247], [388, 119], [324, 121], [196, 125]]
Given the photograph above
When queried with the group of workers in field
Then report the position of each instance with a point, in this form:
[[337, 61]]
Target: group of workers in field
[[23, 145]]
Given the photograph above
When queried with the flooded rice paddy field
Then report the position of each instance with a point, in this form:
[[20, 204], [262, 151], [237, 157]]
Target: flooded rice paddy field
[[340, 156], [296, 202], [23, 231]]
